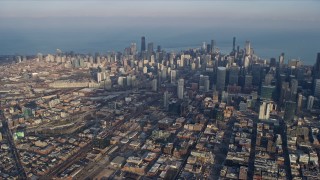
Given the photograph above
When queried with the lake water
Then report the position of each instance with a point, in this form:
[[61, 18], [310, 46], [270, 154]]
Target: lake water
[[302, 45]]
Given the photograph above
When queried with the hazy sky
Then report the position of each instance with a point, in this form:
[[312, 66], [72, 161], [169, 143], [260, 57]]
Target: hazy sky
[[269, 14], [273, 26]]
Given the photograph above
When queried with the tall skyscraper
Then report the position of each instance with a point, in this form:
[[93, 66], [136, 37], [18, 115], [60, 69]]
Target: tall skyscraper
[[173, 76], [155, 85], [164, 73], [248, 48], [201, 83], [273, 62], [234, 75], [204, 45], [234, 44], [133, 48], [150, 50], [299, 103], [180, 89], [267, 92], [248, 80], [212, 46], [281, 59], [265, 109], [310, 102], [316, 68], [158, 48], [246, 61], [317, 88], [143, 43], [182, 60], [289, 111], [294, 86], [221, 78], [268, 79], [206, 83], [208, 49], [256, 74]]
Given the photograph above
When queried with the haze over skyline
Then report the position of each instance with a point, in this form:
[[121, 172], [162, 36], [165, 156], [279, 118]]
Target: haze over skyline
[[39, 22], [280, 14]]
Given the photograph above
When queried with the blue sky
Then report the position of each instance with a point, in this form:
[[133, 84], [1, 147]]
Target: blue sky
[[260, 14]]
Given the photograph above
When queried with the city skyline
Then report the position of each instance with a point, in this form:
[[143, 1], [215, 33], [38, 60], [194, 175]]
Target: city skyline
[[159, 89], [273, 27]]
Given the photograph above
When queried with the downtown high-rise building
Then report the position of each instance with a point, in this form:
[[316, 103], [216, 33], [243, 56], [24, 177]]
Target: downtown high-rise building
[[299, 103], [316, 68], [206, 83], [212, 45], [317, 88], [234, 75], [154, 85], [133, 48], [221, 78], [265, 109], [180, 89], [256, 74], [173, 76], [294, 86], [289, 111], [281, 59], [143, 44], [248, 48], [234, 44], [150, 50], [310, 102], [248, 80]]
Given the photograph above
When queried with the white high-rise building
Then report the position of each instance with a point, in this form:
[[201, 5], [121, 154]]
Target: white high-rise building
[[265, 109], [120, 81], [173, 76], [154, 85], [145, 70], [99, 77], [180, 88], [262, 110], [248, 48], [193, 66], [299, 103], [164, 73], [182, 60], [246, 62], [310, 102]]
